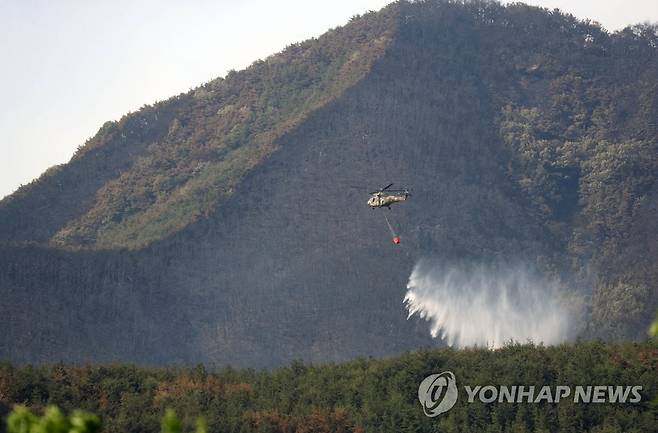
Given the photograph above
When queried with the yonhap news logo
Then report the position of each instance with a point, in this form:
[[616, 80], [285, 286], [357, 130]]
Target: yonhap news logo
[[438, 393]]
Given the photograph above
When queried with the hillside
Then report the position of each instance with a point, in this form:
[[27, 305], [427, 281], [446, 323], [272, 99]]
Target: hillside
[[221, 226], [155, 171]]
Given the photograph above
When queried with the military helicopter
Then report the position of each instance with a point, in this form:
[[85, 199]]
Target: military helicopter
[[385, 197]]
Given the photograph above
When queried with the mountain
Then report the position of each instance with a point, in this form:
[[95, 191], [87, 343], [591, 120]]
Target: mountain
[[221, 225]]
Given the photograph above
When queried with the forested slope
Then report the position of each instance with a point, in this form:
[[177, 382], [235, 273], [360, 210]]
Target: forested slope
[[155, 171], [228, 224]]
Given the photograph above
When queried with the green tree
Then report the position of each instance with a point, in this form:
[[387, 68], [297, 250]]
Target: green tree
[[22, 420]]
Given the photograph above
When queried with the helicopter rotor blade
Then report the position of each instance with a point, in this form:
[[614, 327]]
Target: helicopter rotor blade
[[387, 187]]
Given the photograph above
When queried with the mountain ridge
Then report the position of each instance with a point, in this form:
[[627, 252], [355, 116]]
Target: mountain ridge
[[517, 128], [213, 135]]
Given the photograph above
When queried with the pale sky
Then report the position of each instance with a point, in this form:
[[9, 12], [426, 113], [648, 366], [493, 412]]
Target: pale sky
[[68, 66]]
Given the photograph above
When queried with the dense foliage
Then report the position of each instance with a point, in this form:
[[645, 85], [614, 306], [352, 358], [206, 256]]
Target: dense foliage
[[358, 396]]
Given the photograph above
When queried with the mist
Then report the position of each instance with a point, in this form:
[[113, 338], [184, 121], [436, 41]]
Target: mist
[[487, 305]]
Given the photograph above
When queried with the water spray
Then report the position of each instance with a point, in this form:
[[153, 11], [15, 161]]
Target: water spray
[[477, 305]]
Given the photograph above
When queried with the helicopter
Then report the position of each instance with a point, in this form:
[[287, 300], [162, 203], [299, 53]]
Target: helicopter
[[385, 197]]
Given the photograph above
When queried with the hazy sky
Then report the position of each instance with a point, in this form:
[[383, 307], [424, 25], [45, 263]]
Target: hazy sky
[[69, 66]]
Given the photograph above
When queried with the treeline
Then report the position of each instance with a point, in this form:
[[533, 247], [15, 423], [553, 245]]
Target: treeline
[[364, 395]]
